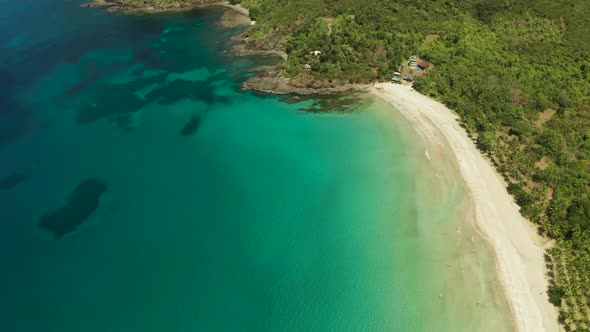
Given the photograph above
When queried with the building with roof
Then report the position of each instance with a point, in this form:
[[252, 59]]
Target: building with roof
[[413, 61], [424, 65]]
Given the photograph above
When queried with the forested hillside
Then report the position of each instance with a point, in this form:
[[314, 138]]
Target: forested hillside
[[516, 71]]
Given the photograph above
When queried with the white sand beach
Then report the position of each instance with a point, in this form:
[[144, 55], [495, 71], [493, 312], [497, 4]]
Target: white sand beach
[[519, 250]]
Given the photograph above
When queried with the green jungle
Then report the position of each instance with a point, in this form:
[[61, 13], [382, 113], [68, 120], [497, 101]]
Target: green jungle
[[516, 71]]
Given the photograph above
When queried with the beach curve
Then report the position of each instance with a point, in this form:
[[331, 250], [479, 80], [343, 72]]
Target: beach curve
[[519, 250]]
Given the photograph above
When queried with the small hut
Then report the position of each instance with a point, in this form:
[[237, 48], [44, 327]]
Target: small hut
[[307, 67], [396, 78], [316, 53], [424, 65]]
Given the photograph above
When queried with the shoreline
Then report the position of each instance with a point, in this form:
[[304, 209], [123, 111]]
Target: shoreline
[[268, 80], [519, 250], [114, 6], [241, 18]]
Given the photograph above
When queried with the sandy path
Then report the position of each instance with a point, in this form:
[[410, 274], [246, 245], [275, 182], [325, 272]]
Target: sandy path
[[519, 250]]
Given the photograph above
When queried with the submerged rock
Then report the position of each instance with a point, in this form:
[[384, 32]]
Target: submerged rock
[[291, 99], [11, 181], [181, 89], [82, 202], [342, 103], [191, 126], [112, 102], [336, 102]]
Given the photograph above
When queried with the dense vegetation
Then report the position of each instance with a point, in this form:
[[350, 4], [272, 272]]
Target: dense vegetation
[[516, 71]]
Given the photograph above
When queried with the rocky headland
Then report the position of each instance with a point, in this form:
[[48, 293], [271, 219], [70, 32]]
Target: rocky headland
[[270, 79]]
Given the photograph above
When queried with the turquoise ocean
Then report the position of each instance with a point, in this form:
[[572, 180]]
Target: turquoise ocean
[[217, 209]]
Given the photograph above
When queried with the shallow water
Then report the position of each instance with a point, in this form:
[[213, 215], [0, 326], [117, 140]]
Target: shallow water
[[262, 216]]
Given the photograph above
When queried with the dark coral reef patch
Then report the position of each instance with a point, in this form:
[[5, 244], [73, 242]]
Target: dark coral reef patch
[[332, 103], [81, 203], [11, 181], [191, 126]]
